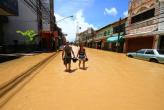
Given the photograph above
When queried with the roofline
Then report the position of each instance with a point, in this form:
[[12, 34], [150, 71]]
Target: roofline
[[86, 30], [111, 24]]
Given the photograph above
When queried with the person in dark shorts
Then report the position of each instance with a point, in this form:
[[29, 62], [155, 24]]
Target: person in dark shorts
[[67, 56], [81, 55]]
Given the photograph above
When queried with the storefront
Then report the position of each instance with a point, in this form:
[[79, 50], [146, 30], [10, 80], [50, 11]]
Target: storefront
[[161, 45], [56, 40], [115, 43], [98, 44], [134, 44], [3, 20], [46, 40], [103, 43], [90, 43]]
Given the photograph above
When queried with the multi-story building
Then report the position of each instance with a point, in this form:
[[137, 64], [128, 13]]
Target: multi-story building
[[110, 37], [82, 37], [49, 38], [7, 8], [37, 15], [90, 37], [145, 28], [86, 37], [25, 19], [101, 35]]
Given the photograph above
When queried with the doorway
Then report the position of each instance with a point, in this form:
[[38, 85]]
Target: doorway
[[161, 46]]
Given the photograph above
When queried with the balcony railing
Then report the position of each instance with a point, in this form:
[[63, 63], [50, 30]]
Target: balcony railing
[[146, 26]]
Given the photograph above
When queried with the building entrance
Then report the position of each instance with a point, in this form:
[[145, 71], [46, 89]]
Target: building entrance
[[161, 43]]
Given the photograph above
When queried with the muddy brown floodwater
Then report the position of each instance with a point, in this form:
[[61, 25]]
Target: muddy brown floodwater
[[112, 81]]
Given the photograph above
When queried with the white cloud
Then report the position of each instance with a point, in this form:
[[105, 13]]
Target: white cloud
[[112, 11], [125, 13], [69, 26], [70, 6]]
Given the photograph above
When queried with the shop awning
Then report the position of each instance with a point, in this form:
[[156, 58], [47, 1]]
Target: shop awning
[[114, 39]]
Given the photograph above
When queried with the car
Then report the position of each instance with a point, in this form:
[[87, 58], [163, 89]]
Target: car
[[152, 55], [61, 48]]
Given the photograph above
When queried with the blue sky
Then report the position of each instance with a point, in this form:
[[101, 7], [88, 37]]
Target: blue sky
[[88, 13]]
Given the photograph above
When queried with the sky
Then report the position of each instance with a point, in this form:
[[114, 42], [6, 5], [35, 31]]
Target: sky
[[87, 13]]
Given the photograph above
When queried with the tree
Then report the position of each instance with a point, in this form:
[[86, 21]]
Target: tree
[[29, 34]]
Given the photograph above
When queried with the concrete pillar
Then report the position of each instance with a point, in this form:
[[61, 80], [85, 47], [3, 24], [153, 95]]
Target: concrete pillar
[[156, 42], [125, 46]]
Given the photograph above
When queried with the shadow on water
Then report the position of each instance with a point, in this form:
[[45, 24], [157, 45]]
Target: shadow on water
[[7, 58], [74, 70], [84, 68], [71, 71]]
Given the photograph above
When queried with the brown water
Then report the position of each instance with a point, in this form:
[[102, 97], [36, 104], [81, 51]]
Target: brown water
[[111, 82]]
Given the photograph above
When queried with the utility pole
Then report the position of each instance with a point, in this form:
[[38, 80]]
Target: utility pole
[[119, 32], [40, 26], [77, 31]]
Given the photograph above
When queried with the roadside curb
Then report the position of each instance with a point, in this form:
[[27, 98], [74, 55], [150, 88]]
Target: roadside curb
[[7, 87]]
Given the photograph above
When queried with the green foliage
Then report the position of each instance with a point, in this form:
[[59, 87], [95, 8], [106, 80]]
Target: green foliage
[[29, 34]]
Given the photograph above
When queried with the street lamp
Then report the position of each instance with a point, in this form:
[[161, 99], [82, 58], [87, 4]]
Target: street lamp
[[64, 18], [61, 40]]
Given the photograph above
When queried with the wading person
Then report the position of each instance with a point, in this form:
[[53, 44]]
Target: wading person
[[67, 56], [81, 55]]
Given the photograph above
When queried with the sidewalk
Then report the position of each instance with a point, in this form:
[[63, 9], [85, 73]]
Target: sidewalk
[[9, 70]]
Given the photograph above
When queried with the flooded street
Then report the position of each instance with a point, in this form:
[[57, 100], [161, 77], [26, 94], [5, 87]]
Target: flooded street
[[112, 81]]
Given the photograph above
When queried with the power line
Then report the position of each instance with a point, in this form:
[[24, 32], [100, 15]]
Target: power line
[[39, 9]]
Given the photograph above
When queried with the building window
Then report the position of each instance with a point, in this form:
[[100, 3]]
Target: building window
[[108, 32], [99, 35], [143, 16], [105, 33], [120, 28]]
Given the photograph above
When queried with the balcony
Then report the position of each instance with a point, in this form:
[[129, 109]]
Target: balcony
[[143, 27], [8, 7]]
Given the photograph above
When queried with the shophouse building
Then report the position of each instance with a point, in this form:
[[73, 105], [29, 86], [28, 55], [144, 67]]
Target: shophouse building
[[110, 37], [25, 15], [86, 37], [145, 28]]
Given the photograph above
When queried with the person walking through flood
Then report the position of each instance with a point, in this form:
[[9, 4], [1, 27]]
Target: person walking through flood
[[67, 56], [81, 55]]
